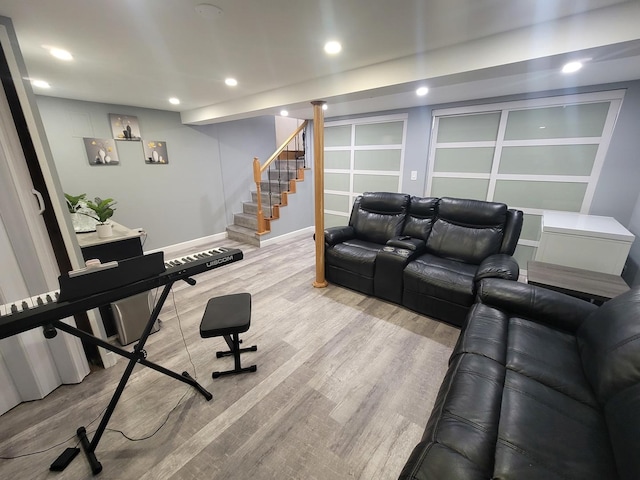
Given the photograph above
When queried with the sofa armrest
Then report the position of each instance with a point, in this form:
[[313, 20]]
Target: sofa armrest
[[499, 265], [415, 245], [535, 303], [335, 235]]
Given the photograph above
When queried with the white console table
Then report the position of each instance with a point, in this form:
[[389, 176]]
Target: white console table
[[589, 242]]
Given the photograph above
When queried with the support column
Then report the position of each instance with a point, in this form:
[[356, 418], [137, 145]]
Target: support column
[[318, 173]]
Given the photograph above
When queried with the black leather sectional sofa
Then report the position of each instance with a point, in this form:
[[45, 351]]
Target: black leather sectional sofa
[[540, 386], [424, 253]]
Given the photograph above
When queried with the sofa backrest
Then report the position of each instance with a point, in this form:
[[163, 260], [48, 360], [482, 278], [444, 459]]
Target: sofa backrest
[[609, 346], [420, 217], [468, 230], [379, 216], [512, 231]]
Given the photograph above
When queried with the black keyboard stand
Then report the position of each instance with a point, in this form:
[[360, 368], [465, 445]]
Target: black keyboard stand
[[137, 356]]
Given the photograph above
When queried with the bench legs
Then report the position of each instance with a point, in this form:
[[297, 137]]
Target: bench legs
[[233, 341]]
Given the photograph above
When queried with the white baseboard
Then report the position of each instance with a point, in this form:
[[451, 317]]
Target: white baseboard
[[285, 236], [171, 251]]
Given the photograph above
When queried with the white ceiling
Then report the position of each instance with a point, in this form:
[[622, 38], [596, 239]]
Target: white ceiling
[[141, 52]]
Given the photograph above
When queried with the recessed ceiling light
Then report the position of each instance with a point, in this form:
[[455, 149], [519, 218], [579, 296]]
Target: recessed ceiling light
[[40, 84], [232, 82], [61, 54], [422, 91], [332, 47], [572, 67], [284, 113], [174, 101]]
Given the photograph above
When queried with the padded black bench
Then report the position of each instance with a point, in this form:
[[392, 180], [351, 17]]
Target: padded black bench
[[228, 316]]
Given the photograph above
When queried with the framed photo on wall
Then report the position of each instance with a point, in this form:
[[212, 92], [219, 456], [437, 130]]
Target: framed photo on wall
[[101, 151], [124, 127], [155, 152]]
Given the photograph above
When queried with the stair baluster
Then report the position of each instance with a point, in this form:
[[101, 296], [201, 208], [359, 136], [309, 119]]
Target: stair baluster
[[264, 220]]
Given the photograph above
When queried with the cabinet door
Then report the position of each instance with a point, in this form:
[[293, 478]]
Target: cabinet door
[[588, 253]]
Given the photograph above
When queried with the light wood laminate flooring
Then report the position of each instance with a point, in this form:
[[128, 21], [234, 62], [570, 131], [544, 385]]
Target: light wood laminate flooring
[[344, 387]]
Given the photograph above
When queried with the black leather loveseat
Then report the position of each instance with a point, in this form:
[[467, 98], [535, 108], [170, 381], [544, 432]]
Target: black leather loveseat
[[540, 386], [424, 253]]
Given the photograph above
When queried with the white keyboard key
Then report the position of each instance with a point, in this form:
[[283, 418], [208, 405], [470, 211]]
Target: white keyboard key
[[24, 304], [37, 301]]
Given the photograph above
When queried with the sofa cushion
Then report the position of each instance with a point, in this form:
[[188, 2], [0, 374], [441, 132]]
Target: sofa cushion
[[486, 335], [609, 341], [525, 344], [420, 217], [441, 278], [516, 343], [460, 437], [467, 230], [544, 433], [623, 421], [378, 217], [356, 256]]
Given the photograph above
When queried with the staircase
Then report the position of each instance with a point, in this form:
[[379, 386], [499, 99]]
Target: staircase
[[275, 190]]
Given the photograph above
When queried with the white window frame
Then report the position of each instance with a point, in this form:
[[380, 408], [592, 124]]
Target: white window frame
[[352, 148], [615, 97]]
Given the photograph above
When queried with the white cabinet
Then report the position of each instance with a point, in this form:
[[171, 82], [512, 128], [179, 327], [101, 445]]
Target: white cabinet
[[589, 242]]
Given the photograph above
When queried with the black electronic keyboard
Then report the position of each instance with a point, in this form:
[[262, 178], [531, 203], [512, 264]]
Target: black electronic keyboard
[[200, 262], [29, 303], [102, 287], [98, 285]]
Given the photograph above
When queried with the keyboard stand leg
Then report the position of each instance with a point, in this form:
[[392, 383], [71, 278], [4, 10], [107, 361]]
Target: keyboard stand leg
[[137, 356]]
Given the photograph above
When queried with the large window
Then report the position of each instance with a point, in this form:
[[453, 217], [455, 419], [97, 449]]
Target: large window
[[362, 155], [534, 155]]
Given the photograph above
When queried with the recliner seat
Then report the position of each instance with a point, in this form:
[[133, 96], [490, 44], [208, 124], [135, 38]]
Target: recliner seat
[[465, 233], [425, 253], [375, 218]]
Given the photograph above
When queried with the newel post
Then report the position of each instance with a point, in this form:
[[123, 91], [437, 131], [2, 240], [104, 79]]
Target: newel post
[[318, 177]]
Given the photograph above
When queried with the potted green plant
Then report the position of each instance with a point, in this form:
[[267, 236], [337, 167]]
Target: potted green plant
[[81, 216], [103, 211], [73, 202]]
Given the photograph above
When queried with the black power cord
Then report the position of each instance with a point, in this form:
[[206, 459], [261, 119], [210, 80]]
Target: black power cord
[[52, 446]]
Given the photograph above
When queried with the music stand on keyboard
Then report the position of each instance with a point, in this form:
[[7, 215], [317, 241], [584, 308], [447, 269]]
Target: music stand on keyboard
[[138, 356]]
